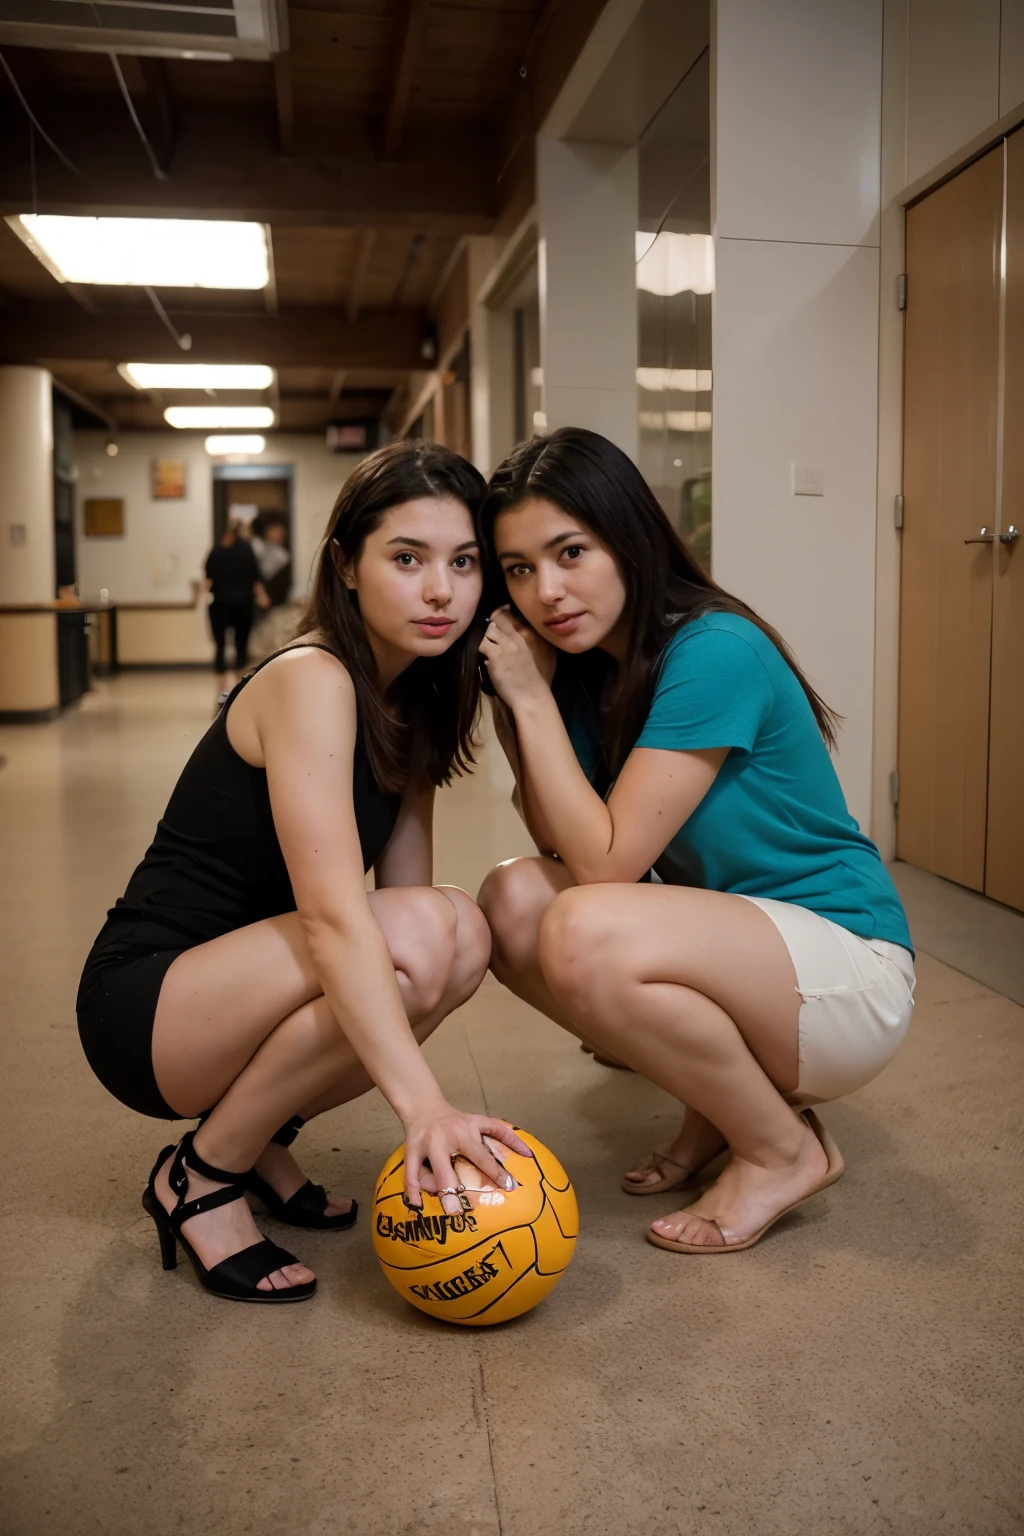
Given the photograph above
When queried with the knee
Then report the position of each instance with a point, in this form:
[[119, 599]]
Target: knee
[[472, 945], [579, 949], [512, 899], [430, 924]]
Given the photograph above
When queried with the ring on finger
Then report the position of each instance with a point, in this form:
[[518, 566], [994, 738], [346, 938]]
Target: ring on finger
[[455, 1189]]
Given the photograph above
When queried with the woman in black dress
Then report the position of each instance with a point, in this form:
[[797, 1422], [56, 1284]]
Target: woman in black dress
[[233, 579], [246, 976]]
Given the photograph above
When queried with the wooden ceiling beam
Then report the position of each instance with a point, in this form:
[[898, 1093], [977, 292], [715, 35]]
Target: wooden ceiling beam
[[284, 97], [225, 168], [303, 338], [414, 24], [359, 266]]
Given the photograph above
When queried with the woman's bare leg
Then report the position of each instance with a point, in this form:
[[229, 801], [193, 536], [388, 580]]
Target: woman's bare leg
[[241, 1024], [696, 990], [514, 898]]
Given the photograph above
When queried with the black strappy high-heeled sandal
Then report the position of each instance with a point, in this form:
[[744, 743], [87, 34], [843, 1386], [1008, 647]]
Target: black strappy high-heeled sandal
[[308, 1206], [235, 1278]]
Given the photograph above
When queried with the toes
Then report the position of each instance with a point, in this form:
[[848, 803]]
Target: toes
[[338, 1206], [686, 1227], [297, 1274]]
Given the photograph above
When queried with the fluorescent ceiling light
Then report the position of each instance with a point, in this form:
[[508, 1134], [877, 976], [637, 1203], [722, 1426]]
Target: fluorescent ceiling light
[[197, 375], [217, 446], [675, 421], [672, 263], [693, 381], [154, 253], [219, 416]]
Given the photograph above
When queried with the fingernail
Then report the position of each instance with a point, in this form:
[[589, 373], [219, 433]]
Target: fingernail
[[510, 1182]]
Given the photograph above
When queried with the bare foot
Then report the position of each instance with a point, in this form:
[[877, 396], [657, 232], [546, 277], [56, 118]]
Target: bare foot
[[697, 1143], [746, 1196], [217, 1234], [277, 1165]]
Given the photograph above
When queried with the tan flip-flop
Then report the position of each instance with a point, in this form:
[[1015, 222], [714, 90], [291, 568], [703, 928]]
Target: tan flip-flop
[[654, 1162], [836, 1168]]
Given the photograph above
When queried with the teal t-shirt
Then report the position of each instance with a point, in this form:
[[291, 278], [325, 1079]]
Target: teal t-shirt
[[774, 823]]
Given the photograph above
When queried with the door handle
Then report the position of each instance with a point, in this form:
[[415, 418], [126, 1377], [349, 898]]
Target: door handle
[[984, 537], [1011, 535]]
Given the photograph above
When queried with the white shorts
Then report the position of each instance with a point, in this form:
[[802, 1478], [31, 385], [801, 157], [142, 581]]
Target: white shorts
[[858, 995]]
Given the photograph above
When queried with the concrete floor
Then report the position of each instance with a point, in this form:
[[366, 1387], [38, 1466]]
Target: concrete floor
[[858, 1372]]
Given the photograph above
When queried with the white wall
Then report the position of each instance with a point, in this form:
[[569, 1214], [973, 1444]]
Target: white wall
[[586, 255], [796, 138], [166, 542], [27, 572]]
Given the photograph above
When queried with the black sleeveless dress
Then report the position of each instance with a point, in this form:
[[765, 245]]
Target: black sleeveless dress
[[214, 865]]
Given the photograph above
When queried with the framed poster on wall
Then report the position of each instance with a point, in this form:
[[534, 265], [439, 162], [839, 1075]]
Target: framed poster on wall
[[167, 479]]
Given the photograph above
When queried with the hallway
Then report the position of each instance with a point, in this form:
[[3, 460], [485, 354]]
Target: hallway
[[860, 1371]]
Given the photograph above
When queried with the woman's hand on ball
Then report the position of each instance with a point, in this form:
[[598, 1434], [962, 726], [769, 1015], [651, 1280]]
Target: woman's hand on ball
[[519, 662], [438, 1136]]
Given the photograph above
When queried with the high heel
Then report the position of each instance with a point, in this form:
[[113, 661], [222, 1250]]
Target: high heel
[[308, 1206], [235, 1278]]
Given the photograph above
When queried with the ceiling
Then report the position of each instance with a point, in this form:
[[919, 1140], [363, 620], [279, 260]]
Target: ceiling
[[371, 136]]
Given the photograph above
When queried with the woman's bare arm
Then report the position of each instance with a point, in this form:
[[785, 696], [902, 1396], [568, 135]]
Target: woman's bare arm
[[598, 841], [305, 718], [408, 858], [504, 729]]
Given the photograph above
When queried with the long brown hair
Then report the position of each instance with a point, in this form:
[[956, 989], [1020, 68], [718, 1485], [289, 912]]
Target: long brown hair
[[596, 483], [423, 727]]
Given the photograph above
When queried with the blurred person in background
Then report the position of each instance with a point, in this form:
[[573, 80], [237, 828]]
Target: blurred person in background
[[233, 579]]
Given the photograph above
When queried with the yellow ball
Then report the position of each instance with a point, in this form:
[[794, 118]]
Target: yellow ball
[[497, 1258]]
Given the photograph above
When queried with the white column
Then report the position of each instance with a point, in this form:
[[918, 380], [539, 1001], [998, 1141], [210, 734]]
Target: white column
[[796, 123], [586, 210], [27, 572]]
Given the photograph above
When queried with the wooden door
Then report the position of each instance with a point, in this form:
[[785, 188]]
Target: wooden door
[[949, 483], [1004, 870]]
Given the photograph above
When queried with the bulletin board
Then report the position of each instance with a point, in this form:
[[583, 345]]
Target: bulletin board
[[103, 517]]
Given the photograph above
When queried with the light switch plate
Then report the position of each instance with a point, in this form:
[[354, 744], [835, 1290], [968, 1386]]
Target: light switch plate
[[807, 479]]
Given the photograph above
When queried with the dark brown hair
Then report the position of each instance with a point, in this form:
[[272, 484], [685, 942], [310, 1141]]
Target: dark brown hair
[[423, 727], [596, 483]]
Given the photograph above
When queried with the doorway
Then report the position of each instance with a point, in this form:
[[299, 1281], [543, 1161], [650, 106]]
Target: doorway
[[961, 719], [260, 497]]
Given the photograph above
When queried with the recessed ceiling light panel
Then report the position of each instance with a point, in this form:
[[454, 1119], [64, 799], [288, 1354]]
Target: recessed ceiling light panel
[[197, 375], [219, 446], [212, 416], [153, 253]]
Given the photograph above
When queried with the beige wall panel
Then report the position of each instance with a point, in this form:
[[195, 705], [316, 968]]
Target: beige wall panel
[[796, 368], [166, 542], [28, 661], [586, 209], [952, 77], [1004, 869], [163, 636], [798, 120], [952, 350], [1011, 56]]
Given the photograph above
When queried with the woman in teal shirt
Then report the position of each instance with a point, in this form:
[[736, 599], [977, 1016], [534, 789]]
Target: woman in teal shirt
[[655, 723]]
